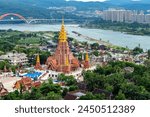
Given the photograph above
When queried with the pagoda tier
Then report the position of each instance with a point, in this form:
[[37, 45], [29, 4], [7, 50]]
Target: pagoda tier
[[86, 62], [63, 59]]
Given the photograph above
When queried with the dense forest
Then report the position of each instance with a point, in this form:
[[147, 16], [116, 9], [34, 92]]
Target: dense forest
[[124, 85]]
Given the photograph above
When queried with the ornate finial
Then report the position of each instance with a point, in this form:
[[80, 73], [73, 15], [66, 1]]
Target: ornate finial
[[62, 34], [67, 61], [87, 57]]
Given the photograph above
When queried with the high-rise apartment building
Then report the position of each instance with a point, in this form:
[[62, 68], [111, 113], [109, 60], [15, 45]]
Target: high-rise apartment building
[[127, 16]]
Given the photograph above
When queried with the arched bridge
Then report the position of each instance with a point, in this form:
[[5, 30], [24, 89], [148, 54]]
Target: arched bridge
[[28, 20], [13, 14]]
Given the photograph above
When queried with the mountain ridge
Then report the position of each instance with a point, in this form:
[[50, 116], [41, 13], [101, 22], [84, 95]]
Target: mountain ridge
[[39, 8]]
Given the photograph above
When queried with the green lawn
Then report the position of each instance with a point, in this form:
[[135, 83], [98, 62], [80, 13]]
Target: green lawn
[[32, 40]]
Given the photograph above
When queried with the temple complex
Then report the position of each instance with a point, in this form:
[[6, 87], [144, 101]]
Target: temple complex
[[63, 59]]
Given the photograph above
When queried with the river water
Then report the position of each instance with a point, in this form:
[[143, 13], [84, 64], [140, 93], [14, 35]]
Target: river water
[[116, 38]]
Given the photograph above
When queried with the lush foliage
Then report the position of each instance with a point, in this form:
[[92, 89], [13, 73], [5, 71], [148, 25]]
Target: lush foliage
[[137, 50], [123, 85], [70, 81]]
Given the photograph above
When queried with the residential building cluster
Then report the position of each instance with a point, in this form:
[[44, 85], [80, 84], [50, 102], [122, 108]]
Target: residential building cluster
[[15, 58], [128, 16]]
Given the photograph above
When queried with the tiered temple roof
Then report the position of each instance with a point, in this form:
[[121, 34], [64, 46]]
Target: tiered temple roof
[[63, 59]]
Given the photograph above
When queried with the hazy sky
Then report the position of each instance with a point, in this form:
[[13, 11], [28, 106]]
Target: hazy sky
[[97, 0]]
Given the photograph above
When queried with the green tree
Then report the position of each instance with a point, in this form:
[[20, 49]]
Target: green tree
[[137, 50], [90, 96], [94, 80], [26, 95], [65, 91], [69, 80], [96, 53], [53, 96], [120, 96], [12, 96], [133, 92], [116, 80], [35, 94], [95, 46], [73, 88], [46, 88]]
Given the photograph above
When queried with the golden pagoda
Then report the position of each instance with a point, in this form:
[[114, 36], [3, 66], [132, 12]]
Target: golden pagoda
[[38, 64], [63, 59], [86, 62], [86, 57], [62, 34]]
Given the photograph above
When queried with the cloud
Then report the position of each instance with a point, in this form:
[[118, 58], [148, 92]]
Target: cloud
[[135, 0], [88, 0]]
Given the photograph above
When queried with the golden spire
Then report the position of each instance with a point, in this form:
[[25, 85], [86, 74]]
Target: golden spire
[[38, 59], [67, 61], [62, 34], [86, 56]]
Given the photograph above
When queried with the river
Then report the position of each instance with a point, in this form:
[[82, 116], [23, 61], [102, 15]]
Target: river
[[116, 38]]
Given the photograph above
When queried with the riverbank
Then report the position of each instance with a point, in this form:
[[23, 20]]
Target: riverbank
[[100, 42], [118, 29], [128, 28], [92, 39], [113, 37]]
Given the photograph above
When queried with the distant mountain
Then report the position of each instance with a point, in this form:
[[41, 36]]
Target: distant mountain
[[24, 8], [39, 8]]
